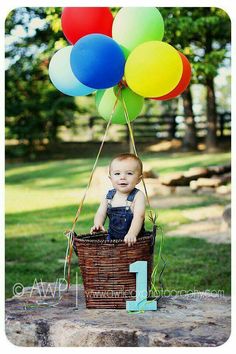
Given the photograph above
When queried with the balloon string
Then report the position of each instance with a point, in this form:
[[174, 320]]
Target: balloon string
[[159, 258], [70, 239], [153, 218], [152, 214], [96, 161]]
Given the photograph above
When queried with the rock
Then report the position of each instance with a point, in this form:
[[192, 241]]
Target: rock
[[196, 172], [219, 169], [226, 178], [193, 186], [197, 319], [149, 174], [219, 175], [208, 182], [173, 179], [223, 190]]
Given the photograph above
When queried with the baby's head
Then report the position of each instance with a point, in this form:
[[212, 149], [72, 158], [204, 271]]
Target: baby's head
[[125, 172]]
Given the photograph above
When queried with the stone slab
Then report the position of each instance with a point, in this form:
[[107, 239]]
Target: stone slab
[[35, 320]]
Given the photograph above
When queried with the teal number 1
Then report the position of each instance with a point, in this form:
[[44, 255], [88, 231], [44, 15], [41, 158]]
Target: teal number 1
[[141, 303]]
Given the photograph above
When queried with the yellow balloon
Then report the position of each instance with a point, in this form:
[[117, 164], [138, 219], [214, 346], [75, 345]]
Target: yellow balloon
[[153, 69]]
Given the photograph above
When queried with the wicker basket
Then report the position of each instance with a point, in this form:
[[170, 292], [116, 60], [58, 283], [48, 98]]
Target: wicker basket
[[105, 267]]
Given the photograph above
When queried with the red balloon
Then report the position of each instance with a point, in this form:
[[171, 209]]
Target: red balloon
[[77, 22], [183, 83]]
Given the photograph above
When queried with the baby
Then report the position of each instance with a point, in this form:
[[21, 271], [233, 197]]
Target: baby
[[124, 205]]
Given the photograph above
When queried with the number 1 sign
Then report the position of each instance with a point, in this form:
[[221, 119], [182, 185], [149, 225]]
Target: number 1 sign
[[141, 303]]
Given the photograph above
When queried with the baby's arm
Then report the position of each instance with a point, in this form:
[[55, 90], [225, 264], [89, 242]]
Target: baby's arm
[[138, 218], [100, 217]]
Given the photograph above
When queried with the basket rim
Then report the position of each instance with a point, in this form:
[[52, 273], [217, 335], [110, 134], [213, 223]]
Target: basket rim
[[83, 238]]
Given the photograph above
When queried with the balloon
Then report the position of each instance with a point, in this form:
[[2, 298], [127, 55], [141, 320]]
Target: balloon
[[105, 101], [153, 69], [62, 76], [184, 81], [77, 22], [135, 25], [97, 61]]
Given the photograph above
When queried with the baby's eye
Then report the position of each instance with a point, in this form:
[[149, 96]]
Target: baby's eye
[[116, 173], [130, 173]]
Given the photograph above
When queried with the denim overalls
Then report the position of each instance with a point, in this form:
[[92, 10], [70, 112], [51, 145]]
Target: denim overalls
[[120, 218]]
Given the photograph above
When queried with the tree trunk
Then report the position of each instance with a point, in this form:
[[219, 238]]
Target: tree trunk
[[211, 104], [211, 142], [190, 138]]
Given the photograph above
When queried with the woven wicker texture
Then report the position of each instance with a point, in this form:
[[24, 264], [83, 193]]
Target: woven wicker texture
[[104, 267]]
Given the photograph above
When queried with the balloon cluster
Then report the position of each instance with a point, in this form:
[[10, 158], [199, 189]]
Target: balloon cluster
[[125, 53]]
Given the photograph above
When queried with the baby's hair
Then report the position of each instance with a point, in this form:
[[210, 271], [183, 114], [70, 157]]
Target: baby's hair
[[126, 156]]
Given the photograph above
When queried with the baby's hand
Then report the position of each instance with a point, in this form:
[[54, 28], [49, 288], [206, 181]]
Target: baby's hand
[[130, 239], [97, 228]]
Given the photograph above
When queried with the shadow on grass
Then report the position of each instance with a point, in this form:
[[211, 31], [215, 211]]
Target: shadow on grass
[[49, 220], [63, 174]]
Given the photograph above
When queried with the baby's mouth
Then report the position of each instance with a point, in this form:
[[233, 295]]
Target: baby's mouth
[[123, 184]]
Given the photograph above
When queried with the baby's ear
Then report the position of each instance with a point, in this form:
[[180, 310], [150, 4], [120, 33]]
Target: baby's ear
[[140, 178], [109, 176]]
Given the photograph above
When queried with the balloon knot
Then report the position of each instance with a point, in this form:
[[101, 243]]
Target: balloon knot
[[122, 84]]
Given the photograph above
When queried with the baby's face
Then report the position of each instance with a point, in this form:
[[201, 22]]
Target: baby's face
[[125, 175]]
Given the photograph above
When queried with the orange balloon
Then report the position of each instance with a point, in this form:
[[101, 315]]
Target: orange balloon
[[183, 83]]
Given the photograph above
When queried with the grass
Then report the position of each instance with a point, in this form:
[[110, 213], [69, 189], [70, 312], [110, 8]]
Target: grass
[[42, 199], [196, 265], [178, 162]]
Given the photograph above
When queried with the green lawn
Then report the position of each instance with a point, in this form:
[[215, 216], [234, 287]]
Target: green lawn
[[41, 202]]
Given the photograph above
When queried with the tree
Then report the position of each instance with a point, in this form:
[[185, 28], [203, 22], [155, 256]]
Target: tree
[[203, 35], [34, 108], [215, 28], [177, 23], [190, 137]]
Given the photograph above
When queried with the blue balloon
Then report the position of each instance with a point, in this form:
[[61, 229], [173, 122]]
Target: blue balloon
[[97, 61], [62, 76]]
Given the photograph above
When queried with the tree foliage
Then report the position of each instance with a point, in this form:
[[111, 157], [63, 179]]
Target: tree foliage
[[34, 108], [191, 30]]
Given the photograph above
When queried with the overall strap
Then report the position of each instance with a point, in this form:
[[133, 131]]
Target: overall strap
[[130, 198], [110, 194], [132, 195]]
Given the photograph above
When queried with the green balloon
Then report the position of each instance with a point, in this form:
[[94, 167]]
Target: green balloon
[[106, 99], [135, 25]]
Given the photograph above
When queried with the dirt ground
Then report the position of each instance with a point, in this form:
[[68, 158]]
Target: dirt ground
[[205, 222]]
